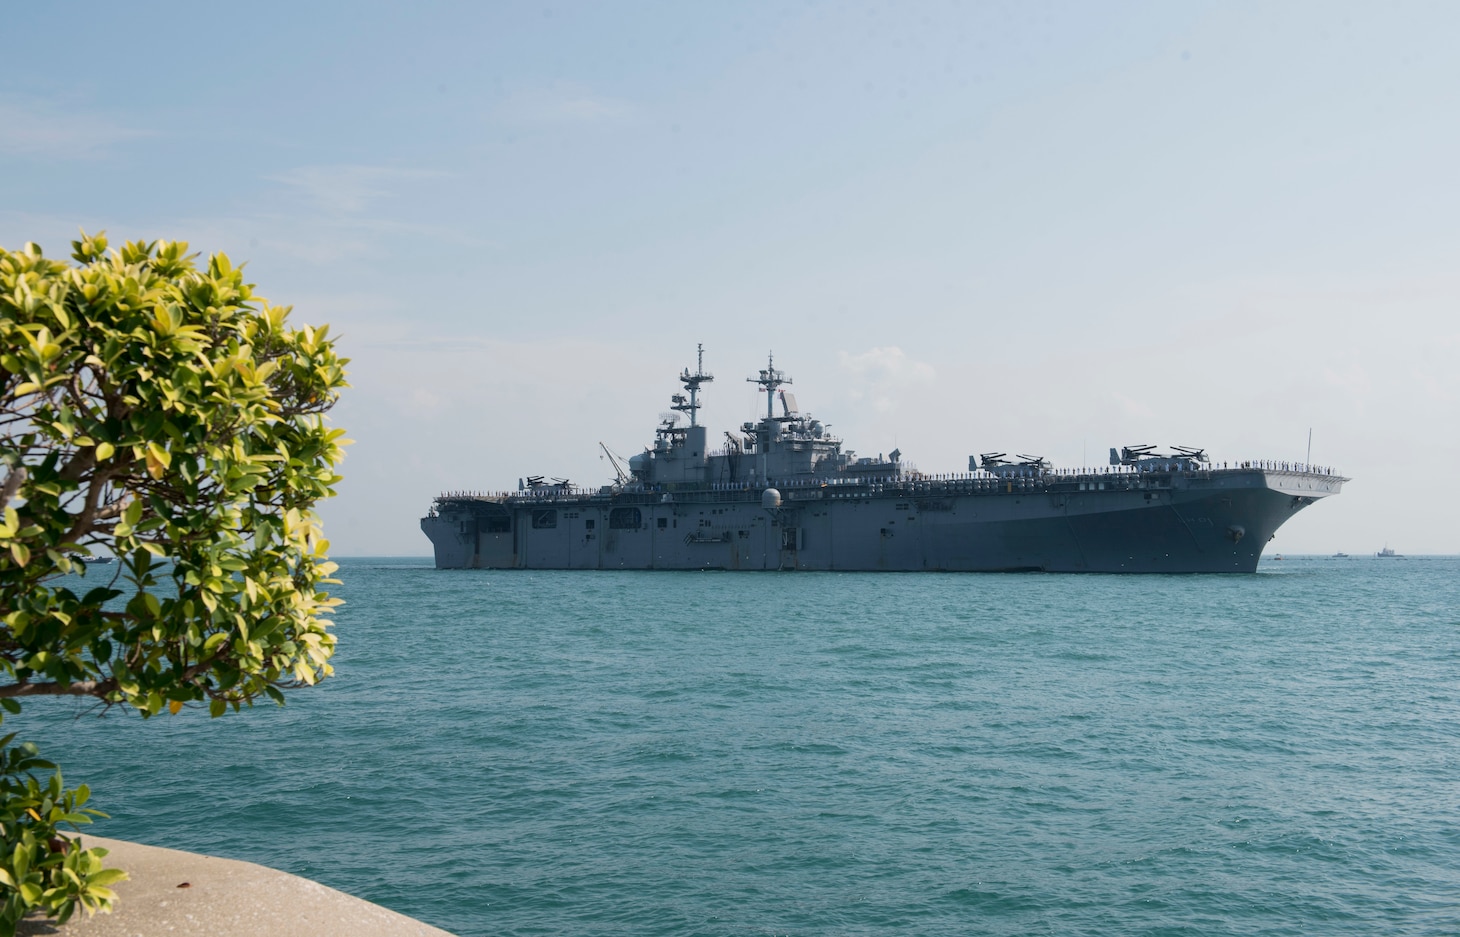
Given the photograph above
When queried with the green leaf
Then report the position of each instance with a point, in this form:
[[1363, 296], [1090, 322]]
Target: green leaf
[[106, 877]]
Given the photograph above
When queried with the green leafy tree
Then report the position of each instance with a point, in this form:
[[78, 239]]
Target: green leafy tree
[[159, 412]]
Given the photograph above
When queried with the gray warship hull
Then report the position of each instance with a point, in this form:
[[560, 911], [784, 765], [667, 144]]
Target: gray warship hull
[[783, 494], [1173, 522]]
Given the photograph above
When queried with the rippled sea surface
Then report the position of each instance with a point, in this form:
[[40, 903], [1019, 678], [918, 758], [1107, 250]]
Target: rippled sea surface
[[514, 753]]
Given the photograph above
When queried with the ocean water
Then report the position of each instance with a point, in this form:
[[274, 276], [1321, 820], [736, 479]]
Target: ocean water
[[624, 753]]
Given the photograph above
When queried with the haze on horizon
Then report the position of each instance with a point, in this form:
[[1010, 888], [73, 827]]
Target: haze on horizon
[[1044, 228]]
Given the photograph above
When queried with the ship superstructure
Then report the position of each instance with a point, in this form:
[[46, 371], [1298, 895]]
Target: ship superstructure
[[783, 493]]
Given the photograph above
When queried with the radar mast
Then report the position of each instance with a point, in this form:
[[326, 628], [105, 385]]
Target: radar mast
[[692, 384], [769, 380]]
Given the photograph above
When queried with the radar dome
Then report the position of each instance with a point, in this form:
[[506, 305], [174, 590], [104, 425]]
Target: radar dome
[[770, 499]]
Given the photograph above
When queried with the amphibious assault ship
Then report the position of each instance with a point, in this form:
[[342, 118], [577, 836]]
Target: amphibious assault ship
[[783, 494]]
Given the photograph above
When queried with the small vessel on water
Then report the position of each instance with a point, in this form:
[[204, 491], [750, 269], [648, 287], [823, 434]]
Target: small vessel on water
[[1386, 552], [784, 494], [1340, 555]]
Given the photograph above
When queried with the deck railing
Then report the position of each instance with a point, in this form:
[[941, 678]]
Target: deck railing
[[908, 483]]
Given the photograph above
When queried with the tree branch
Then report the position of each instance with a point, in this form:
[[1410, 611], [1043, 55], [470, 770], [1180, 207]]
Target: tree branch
[[13, 481], [84, 519], [97, 688]]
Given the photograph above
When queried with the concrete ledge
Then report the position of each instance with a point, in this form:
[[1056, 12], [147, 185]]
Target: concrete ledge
[[223, 898]]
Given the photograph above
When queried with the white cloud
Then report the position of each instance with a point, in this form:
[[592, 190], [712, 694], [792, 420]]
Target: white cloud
[[566, 104], [879, 373], [348, 189], [30, 127], [1131, 408], [1351, 378], [889, 365]]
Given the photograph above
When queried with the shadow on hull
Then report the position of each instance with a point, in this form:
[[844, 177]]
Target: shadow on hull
[[1218, 525]]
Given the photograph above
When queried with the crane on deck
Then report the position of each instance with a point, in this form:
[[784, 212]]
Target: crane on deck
[[616, 461]]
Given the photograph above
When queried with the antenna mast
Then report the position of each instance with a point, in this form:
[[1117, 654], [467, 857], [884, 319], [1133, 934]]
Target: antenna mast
[[769, 380], [692, 384]]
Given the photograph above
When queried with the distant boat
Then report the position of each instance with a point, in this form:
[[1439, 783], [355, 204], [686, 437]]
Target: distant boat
[[93, 560], [1387, 552], [1339, 555]]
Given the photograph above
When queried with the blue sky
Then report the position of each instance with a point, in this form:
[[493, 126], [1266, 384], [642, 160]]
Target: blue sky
[[1036, 227]]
